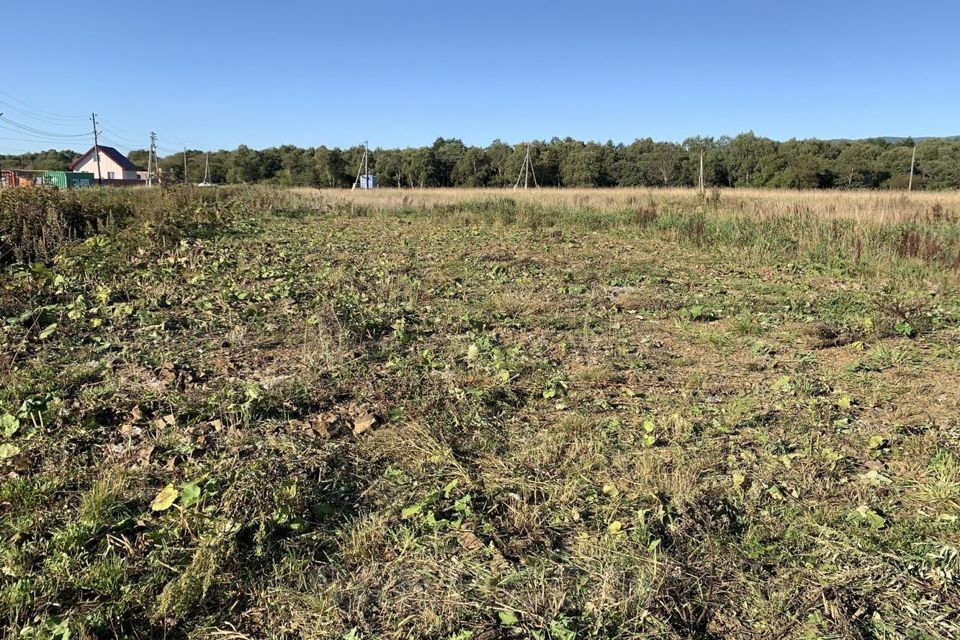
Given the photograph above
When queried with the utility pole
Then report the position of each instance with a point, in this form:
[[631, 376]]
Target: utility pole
[[913, 161], [701, 170], [525, 172], [152, 159], [184, 165], [96, 148], [363, 170], [149, 163]]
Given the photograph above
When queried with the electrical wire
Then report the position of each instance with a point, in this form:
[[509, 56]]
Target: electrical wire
[[114, 135], [37, 140], [38, 112], [41, 132], [6, 107], [110, 134]]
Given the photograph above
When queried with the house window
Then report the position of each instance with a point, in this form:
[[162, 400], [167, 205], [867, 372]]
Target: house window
[[110, 175]]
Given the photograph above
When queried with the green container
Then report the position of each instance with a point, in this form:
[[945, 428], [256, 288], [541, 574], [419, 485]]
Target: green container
[[67, 179]]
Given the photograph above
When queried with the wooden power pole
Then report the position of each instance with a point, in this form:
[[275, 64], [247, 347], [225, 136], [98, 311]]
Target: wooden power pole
[[701, 170], [913, 161], [152, 159], [525, 171], [96, 148]]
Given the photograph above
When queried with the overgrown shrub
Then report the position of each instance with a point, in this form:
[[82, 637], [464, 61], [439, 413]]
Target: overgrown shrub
[[36, 223]]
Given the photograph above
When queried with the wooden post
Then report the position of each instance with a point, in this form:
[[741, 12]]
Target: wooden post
[[701, 170], [913, 161]]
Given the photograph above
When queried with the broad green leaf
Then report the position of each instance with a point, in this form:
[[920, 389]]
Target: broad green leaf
[[868, 516], [508, 618], [411, 511], [783, 385], [189, 494], [164, 499], [450, 487], [875, 477], [560, 631], [10, 424], [8, 451], [48, 331]]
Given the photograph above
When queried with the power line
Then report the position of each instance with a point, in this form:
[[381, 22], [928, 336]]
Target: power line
[[23, 113], [38, 112], [117, 136], [111, 134], [47, 134]]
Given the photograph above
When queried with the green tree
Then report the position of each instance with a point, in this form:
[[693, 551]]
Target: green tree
[[244, 165]]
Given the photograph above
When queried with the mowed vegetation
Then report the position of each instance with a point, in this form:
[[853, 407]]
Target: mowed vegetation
[[479, 414]]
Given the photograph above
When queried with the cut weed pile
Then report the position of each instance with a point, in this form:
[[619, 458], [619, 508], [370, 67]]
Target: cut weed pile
[[264, 414]]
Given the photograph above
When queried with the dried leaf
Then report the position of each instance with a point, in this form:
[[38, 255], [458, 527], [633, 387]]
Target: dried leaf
[[165, 421], [364, 423], [321, 426], [128, 430], [167, 373], [469, 541]]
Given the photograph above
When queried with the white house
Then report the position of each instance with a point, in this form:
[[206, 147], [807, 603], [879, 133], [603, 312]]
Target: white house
[[113, 164]]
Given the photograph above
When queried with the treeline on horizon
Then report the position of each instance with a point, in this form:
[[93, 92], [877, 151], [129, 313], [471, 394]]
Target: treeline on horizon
[[746, 160]]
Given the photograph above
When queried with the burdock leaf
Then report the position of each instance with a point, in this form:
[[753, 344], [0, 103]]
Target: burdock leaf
[[9, 424], [189, 494], [164, 499], [869, 517], [8, 451]]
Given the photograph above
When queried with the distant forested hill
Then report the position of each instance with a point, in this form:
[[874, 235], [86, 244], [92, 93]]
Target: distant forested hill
[[744, 160]]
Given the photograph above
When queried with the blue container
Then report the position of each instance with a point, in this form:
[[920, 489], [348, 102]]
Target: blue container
[[368, 182]]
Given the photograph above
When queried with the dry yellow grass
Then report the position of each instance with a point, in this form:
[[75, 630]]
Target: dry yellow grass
[[874, 206]]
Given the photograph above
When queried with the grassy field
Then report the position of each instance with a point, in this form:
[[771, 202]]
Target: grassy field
[[480, 414]]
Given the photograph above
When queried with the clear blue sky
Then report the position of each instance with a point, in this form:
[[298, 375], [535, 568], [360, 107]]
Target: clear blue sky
[[216, 74]]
